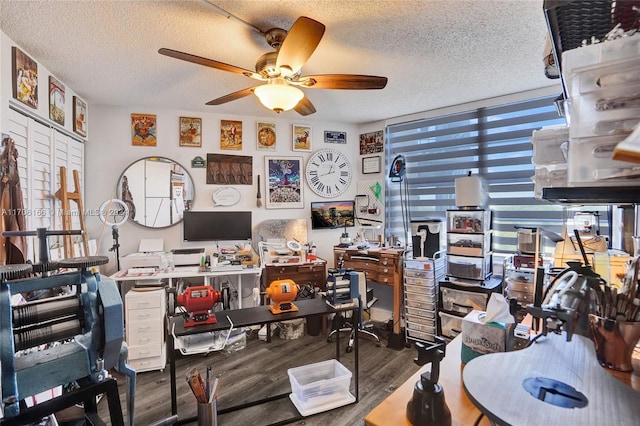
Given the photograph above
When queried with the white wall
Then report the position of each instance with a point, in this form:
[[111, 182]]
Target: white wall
[[109, 152]]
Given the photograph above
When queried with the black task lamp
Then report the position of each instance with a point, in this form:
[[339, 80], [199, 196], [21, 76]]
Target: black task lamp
[[396, 172], [427, 407]]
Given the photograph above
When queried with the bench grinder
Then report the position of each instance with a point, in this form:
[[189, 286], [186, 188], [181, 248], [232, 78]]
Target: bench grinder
[[89, 321]]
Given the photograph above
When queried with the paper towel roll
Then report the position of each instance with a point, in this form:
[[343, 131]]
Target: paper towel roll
[[470, 192]]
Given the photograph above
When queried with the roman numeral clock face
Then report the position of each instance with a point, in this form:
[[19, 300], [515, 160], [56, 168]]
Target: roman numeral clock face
[[328, 173]]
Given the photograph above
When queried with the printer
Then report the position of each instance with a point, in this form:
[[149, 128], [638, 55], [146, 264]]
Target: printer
[[150, 255], [187, 256]]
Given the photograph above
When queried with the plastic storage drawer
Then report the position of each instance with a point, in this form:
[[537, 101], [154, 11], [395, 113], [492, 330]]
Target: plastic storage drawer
[[462, 301]]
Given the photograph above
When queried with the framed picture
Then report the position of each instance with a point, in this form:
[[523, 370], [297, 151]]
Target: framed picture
[[191, 131], [266, 136], [143, 129], [79, 116], [56, 100], [371, 143], [301, 137], [284, 182], [227, 169], [335, 137], [231, 135], [25, 78], [371, 165]]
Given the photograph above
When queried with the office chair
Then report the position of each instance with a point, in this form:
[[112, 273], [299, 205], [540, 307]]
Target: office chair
[[364, 305]]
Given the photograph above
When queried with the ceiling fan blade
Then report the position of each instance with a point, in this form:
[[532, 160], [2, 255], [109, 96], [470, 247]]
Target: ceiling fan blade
[[232, 96], [343, 81], [209, 63], [304, 107], [300, 43]]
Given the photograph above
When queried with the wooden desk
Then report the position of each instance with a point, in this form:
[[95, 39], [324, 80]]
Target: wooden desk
[[494, 383], [314, 273], [384, 266], [392, 411]]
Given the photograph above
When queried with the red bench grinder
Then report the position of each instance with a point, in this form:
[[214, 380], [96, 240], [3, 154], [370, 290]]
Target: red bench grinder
[[198, 301]]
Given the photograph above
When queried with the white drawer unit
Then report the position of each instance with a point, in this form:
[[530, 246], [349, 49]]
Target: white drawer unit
[[145, 333], [421, 279]]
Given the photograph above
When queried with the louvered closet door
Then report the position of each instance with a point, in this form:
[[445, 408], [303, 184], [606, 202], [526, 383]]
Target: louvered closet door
[[70, 154]]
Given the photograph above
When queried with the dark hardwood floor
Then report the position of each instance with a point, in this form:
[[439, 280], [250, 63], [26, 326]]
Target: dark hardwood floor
[[260, 370]]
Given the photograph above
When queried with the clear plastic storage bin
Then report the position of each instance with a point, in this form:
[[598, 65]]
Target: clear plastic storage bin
[[320, 386]]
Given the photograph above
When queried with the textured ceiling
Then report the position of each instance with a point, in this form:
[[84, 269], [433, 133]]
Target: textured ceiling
[[435, 52]]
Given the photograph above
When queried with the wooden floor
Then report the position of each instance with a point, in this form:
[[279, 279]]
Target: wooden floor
[[260, 370]]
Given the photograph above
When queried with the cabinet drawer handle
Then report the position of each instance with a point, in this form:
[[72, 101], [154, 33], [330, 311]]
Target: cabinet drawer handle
[[385, 270], [144, 340], [143, 329], [144, 316]]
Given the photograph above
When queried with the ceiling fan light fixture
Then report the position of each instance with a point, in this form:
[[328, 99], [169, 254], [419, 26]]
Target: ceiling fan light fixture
[[278, 96]]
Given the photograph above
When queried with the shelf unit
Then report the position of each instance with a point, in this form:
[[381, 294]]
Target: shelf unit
[[469, 244], [421, 278]]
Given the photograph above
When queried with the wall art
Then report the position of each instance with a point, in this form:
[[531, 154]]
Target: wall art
[[371, 143], [80, 116], [301, 137], [25, 78], [371, 164], [231, 135], [143, 130], [266, 136], [56, 100], [227, 169], [191, 131], [284, 182], [335, 137]]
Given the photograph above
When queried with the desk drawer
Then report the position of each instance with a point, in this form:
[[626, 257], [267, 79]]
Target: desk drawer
[[149, 363], [146, 351], [144, 299]]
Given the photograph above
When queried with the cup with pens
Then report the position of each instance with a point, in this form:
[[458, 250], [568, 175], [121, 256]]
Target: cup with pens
[[206, 392]]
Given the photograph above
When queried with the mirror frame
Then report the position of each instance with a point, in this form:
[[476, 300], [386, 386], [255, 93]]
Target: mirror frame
[[131, 205]]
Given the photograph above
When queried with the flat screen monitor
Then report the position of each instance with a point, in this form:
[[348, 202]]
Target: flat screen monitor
[[332, 214], [216, 226]]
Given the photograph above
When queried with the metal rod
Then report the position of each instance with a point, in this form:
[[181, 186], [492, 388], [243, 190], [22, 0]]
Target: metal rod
[[228, 15]]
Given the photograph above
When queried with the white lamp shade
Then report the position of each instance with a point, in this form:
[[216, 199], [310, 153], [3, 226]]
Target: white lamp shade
[[278, 97]]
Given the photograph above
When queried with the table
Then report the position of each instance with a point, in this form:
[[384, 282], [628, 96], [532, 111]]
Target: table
[[384, 266], [392, 410], [189, 272], [254, 316], [494, 383]]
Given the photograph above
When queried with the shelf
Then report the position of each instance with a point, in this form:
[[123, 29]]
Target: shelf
[[593, 195]]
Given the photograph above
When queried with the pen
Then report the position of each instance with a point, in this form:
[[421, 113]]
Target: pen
[[208, 390]]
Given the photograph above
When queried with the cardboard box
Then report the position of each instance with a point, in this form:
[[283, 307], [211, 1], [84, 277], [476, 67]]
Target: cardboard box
[[479, 339]]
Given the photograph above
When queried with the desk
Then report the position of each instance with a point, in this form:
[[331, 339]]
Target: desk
[[392, 410], [247, 317], [189, 272], [384, 266], [494, 383]]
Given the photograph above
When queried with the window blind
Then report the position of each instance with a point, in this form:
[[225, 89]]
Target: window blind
[[493, 142]]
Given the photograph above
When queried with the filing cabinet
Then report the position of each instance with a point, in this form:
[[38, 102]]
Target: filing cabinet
[[145, 330]]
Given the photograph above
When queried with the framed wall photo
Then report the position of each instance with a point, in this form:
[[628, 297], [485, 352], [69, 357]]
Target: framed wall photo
[[227, 169], [143, 130], [25, 78], [231, 135], [191, 131], [266, 136], [301, 137], [371, 165], [371, 143], [284, 182], [335, 137], [56, 100], [79, 116]]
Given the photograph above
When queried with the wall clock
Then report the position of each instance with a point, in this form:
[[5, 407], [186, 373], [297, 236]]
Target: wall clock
[[328, 172]]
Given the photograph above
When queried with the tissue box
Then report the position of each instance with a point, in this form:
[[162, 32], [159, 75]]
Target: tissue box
[[479, 339]]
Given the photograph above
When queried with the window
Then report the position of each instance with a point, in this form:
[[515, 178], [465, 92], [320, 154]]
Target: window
[[493, 142]]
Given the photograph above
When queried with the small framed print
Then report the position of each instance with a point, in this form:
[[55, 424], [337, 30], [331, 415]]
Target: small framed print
[[231, 135], [143, 129], [301, 137], [371, 165], [335, 137], [191, 131], [266, 136], [79, 116], [56, 100], [25, 78]]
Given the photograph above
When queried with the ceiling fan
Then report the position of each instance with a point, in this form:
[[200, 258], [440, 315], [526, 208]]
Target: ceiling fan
[[280, 70]]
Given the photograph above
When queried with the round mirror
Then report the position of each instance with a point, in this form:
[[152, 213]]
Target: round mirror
[[157, 191]]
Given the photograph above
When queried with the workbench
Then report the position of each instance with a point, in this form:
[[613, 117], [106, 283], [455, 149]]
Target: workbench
[[493, 379], [255, 316], [383, 266]]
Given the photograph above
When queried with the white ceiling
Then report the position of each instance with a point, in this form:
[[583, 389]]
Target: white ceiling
[[435, 52]]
